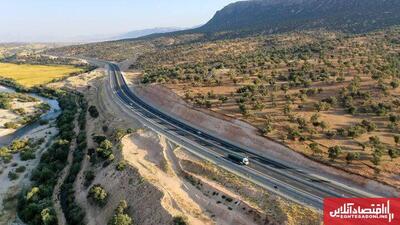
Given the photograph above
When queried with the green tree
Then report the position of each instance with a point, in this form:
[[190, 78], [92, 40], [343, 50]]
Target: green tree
[[315, 148], [393, 153], [179, 220], [397, 139], [374, 141], [98, 195], [48, 216], [352, 156], [376, 159], [334, 152], [93, 111], [121, 217]]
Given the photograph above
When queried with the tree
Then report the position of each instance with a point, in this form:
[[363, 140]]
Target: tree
[[376, 159], [374, 141], [315, 148], [106, 144], [120, 217], [93, 111], [356, 131], [315, 119], [179, 220], [334, 152], [393, 153], [367, 124], [243, 109], [268, 128], [98, 195], [397, 139], [105, 149], [120, 166], [11, 125], [48, 216], [352, 156]]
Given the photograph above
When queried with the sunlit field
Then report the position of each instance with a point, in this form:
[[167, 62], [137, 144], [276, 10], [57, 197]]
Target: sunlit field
[[31, 75]]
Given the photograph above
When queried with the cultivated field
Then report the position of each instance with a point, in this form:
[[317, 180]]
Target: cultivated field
[[31, 75]]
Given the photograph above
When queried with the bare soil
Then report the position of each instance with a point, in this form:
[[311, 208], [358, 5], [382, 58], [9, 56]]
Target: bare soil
[[248, 136]]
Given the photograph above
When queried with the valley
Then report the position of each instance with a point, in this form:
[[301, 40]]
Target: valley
[[257, 116]]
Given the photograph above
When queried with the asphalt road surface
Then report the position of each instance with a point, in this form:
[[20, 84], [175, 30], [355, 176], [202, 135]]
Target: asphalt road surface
[[290, 183]]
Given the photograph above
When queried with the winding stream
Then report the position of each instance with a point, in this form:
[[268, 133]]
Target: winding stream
[[53, 113]]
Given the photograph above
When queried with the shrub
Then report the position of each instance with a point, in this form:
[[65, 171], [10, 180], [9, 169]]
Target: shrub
[[98, 195], [20, 169], [93, 111], [99, 139], [105, 149], [334, 152], [12, 175], [11, 125], [27, 155], [315, 148], [393, 153], [120, 217], [89, 177], [121, 166], [179, 220], [352, 156]]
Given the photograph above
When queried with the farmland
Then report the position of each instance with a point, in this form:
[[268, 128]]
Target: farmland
[[31, 75]]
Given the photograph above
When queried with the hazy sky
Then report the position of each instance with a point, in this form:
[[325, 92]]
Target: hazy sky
[[63, 20]]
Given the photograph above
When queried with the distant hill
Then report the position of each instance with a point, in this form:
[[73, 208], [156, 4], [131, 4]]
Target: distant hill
[[145, 32], [274, 16]]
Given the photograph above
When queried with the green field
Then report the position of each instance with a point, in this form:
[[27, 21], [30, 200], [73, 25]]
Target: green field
[[31, 75]]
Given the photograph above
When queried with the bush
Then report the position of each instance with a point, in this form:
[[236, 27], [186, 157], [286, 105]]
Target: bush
[[93, 111], [352, 156], [89, 177], [98, 195], [11, 125], [121, 166], [99, 139], [120, 217], [27, 155], [38, 210], [12, 175], [179, 220], [20, 169], [334, 152], [105, 149]]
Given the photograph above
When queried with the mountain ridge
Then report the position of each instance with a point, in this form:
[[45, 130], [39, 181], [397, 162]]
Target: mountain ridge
[[272, 16]]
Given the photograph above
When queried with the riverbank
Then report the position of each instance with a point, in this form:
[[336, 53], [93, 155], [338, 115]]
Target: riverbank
[[14, 176], [24, 113]]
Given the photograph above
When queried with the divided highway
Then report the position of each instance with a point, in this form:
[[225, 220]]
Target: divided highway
[[290, 183]]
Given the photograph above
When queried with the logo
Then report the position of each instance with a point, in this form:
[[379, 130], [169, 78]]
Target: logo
[[361, 211]]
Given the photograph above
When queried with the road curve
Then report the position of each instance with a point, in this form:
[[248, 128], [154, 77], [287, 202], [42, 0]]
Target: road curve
[[288, 182]]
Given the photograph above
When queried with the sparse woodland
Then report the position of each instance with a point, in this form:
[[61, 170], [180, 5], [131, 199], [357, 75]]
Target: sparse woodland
[[330, 96]]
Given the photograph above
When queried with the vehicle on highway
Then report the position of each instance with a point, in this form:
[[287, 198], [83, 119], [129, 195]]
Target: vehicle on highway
[[242, 160]]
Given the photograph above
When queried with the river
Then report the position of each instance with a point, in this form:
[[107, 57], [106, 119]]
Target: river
[[53, 113]]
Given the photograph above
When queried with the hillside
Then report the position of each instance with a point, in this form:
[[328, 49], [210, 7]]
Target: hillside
[[273, 16], [316, 92]]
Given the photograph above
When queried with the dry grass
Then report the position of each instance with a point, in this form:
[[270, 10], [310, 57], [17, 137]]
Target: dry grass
[[31, 75]]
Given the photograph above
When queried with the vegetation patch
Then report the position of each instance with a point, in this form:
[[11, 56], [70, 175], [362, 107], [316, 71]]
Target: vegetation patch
[[34, 205], [97, 195], [121, 217], [316, 92], [74, 214]]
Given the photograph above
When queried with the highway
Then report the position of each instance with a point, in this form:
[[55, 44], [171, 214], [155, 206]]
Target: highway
[[293, 184]]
